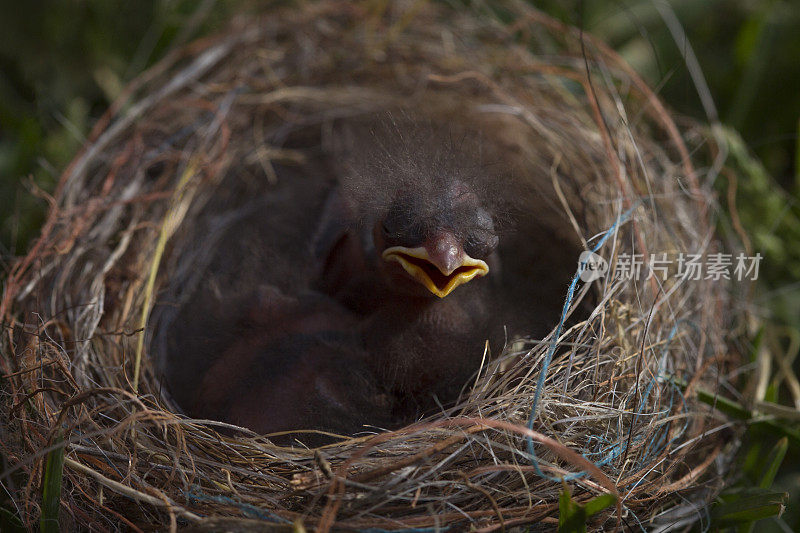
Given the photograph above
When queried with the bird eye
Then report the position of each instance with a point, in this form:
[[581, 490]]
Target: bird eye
[[481, 244], [483, 220], [391, 232]]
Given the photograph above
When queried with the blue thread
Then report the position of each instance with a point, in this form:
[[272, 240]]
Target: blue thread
[[251, 511], [551, 351], [248, 510], [408, 530]]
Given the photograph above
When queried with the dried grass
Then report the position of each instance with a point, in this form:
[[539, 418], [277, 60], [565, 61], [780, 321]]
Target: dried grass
[[611, 405]]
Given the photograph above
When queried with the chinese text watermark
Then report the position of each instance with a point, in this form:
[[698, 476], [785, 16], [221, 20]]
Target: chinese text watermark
[[634, 267]]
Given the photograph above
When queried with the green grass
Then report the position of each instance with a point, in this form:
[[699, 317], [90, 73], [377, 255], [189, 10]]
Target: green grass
[[61, 65], [573, 516], [51, 489]]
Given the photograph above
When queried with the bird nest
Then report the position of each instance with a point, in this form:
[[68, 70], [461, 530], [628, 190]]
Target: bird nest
[[606, 402]]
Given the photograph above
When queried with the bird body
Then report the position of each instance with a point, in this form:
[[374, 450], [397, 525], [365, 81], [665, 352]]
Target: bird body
[[284, 370]]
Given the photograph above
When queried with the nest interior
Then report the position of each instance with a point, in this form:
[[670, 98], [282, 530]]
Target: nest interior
[[604, 400]]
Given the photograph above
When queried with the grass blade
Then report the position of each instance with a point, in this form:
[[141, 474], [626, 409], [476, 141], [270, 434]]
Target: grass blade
[[595, 505], [749, 505], [571, 516], [51, 490], [774, 462]]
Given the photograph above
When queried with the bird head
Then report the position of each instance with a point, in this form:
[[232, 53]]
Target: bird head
[[427, 203], [441, 241]]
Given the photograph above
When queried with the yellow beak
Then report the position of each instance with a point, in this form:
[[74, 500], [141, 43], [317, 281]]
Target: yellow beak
[[419, 264]]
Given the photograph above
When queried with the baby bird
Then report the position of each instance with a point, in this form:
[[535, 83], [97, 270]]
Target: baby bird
[[408, 240], [294, 364]]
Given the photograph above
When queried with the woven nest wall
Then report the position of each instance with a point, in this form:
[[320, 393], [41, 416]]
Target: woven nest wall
[[606, 400]]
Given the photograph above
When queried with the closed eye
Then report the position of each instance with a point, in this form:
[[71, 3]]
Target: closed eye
[[481, 243]]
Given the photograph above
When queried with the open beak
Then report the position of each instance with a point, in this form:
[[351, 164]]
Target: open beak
[[440, 267]]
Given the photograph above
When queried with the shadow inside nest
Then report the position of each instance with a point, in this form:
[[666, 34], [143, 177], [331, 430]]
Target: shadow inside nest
[[364, 284]]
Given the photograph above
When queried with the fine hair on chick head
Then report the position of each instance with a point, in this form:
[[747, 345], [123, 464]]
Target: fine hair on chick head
[[391, 154]]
